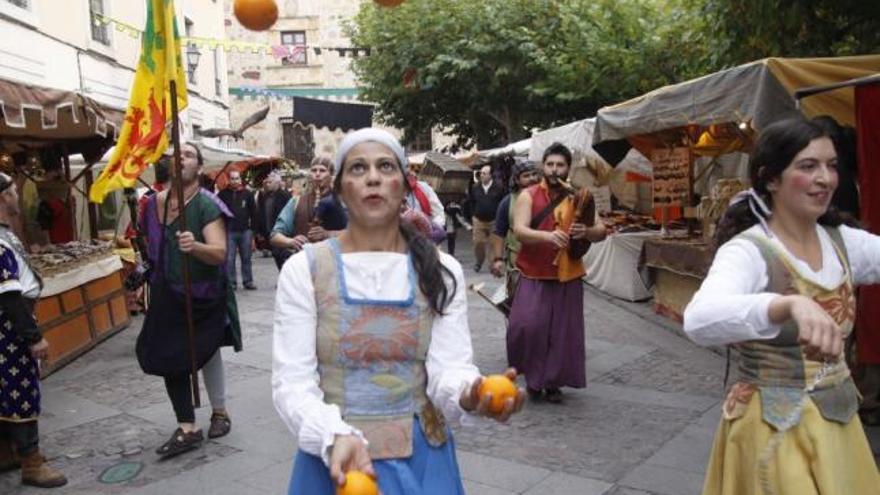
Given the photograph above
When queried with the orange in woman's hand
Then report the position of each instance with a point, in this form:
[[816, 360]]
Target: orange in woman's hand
[[501, 388], [358, 483]]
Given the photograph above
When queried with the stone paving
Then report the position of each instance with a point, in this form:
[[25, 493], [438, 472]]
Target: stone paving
[[643, 426]]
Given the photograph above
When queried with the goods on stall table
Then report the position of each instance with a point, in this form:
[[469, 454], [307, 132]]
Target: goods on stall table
[[57, 258], [627, 221]]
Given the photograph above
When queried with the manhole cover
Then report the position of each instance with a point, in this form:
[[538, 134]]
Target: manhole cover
[[120, 473]]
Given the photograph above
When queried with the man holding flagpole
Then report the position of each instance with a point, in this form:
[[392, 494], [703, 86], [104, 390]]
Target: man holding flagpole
[[175, 350]]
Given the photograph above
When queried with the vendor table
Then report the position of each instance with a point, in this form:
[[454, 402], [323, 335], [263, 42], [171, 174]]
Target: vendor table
[[677, 267], [612, 265], [80, 307]]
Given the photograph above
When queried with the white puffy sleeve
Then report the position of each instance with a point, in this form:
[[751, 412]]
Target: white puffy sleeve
[[450, 356], [438, 214], [863, 250], [732, 304], [295, 392]]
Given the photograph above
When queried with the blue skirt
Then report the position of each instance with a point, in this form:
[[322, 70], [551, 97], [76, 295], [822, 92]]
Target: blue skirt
[[429, 471]]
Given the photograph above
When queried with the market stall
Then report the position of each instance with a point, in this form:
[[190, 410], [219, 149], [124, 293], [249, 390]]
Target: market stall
[[696, 134], [675, 267], [612, 265], [253, 170], [83, 301], [621, 193]]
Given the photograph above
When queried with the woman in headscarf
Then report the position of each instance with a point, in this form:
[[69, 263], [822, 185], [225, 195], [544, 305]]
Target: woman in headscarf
[[372, 352]]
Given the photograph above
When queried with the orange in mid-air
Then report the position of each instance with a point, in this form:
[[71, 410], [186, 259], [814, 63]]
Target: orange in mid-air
[[358, 483], [256, 15], [389, 3], [501, 388]]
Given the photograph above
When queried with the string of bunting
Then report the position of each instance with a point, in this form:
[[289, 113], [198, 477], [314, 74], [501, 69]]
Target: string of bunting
[[278, 51], [254, 92]]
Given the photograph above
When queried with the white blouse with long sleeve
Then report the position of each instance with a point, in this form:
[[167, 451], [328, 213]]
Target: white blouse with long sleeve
[[732, 304], [378, 276]]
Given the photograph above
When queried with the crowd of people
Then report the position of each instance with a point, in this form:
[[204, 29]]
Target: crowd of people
[[372, 355]]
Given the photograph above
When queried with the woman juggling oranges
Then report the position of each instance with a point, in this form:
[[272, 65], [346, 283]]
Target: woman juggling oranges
[[372, 351]]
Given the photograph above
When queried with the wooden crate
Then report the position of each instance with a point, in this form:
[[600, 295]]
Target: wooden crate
[[76, 320], [673, 292], [446, 175]]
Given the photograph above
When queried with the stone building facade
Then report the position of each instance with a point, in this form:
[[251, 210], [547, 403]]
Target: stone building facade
[[305, 30]]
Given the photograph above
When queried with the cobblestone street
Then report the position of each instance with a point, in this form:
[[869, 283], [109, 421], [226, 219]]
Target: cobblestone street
[[643, 425]]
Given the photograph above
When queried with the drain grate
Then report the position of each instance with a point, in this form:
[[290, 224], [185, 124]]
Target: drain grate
[[121, 472]]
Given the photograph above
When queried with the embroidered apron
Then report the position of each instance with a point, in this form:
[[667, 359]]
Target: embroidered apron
[[371, 358], [778, 368]]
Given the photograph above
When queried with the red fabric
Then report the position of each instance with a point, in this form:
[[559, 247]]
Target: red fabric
[[539, 260], [634, 177], [62, 220], [130, 233], [868, 130], [420, 195]]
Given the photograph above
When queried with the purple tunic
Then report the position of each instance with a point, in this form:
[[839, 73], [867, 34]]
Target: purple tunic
[[545, 337], [200, 210]]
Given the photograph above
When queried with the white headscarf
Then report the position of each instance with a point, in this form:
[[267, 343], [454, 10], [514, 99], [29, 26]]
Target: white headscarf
[[375, 135]]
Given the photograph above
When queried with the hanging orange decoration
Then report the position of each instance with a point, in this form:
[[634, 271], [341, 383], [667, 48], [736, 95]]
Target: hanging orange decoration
[[389, 3], [256, 15], [409, 78]]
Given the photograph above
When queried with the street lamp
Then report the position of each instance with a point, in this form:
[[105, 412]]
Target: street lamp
[[192, 61]]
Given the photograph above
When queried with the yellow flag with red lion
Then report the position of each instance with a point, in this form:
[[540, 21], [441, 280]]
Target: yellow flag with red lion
[[143, 137]]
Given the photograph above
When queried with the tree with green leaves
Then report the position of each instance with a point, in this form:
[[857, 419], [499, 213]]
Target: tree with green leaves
[[748, 30], [490, 71]]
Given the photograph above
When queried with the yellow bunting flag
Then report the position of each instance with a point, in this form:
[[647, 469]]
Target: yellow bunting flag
[[143, 137]]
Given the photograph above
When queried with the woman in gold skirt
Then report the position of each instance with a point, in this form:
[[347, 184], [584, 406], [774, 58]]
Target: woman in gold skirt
[[780, 293]]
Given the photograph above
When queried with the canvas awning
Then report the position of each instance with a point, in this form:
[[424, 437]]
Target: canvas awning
[[578, 136], [333, 115], [35, 117], [518, 148], [757, 93]]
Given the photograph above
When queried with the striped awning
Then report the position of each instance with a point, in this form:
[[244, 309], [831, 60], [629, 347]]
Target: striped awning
[[35, 116]]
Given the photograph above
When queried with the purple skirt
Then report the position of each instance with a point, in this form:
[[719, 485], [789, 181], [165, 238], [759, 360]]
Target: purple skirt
[[545, 336]]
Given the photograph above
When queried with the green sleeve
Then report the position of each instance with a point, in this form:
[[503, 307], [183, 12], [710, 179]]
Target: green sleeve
[[208, 211], [284, 222]]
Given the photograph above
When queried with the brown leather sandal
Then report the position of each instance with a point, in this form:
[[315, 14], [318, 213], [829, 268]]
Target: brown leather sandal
[[220, 425], [181, 442]]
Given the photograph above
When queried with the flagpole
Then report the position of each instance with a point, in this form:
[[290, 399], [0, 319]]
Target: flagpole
[[177, 184]]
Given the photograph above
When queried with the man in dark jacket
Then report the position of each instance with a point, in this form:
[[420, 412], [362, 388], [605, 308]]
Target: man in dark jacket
[[270, 202], [239, 230], [483, 201]]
